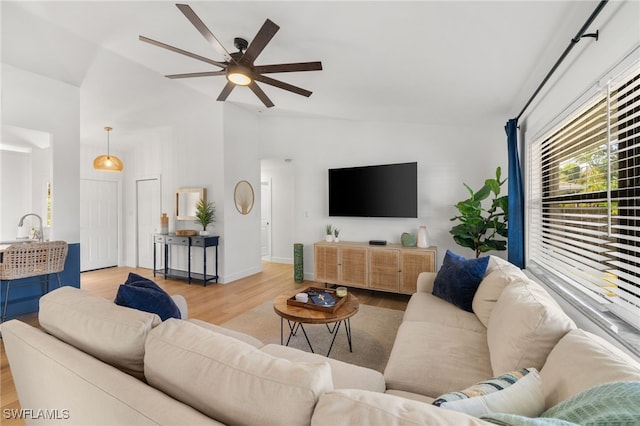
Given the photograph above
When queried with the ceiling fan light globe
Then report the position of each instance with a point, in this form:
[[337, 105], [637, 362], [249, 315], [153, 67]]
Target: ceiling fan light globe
[[239, 78]]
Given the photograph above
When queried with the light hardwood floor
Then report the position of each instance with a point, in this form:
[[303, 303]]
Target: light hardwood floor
[[216, 303]]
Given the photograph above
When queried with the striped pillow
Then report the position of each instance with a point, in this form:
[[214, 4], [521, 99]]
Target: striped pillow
[[485, 387]]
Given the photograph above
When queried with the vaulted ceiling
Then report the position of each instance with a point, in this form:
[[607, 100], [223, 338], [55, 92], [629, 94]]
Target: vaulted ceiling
[[436, 62]]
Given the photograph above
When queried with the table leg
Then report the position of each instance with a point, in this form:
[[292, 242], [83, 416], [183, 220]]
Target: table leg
[[347, 327], [293, 329], [336, 328]]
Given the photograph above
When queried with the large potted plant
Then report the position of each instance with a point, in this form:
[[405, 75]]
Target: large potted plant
[[480, 229], [205, 215]]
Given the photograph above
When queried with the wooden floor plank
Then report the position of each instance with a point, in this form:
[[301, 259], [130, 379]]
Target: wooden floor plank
[[215, 303]]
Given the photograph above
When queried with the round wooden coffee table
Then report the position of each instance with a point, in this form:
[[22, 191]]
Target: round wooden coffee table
[[297, 316]]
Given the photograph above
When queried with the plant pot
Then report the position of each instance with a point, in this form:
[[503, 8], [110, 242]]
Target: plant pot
[[328, 238], [205, 233]]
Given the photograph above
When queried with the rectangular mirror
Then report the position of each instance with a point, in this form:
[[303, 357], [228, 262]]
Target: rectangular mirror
[[186, 200]]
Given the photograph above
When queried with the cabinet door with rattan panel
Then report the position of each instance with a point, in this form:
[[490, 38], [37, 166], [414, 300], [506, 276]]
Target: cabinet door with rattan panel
[[384, 267], [326, 263], [353, 266], [412, 263]]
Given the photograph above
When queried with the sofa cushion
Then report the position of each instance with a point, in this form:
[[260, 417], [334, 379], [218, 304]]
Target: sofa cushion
[[230, 380], [228, 332], [490, 289], [145, 295], [78, 389], [348, 407], [410, 395], [582, 360], [111, 333], [345, 375], [430, 308], [524, 397], [458, 279], [484, 387], [526, 323], [416, 361]]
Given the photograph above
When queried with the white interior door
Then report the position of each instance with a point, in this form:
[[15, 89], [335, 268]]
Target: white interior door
[[98, 224], [148, 219], [265, 215]]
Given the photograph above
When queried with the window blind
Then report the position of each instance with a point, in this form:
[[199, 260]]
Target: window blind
[[584, 198]]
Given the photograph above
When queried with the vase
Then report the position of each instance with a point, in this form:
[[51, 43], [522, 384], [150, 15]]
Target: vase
[[423, 240], [298, 263], [204, 233], [164, 224], [408, 240]]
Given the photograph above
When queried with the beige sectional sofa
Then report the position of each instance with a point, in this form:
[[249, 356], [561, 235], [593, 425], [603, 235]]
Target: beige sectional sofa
[[94, 362]]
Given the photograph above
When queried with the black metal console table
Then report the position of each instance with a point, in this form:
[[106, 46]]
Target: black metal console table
[[196, 241]]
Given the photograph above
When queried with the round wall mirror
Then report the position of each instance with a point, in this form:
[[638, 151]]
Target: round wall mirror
[[244, 197]]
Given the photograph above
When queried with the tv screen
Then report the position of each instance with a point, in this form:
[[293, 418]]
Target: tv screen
[[389, 190]]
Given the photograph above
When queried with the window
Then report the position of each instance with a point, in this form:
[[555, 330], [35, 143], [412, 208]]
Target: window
[[584, 199]]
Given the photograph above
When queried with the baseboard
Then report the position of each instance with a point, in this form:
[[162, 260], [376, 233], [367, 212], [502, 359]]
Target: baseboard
[[286, 260], [226, 279]]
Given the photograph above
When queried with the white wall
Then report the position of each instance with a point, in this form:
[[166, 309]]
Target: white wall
[[446, 156], [34, 102], [242, 141]]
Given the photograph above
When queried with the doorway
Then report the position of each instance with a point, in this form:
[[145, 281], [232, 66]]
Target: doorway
[[148, 206], [98, 224], [265, 219], [277, 192]]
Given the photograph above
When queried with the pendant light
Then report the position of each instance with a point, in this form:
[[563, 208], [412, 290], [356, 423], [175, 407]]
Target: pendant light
[[107, 163]]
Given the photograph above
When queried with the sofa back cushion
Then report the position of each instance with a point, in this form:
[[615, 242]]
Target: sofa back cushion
[[524, 326], [114, 334], [230, 380], [346, 407], [580, 361], [501, 273]]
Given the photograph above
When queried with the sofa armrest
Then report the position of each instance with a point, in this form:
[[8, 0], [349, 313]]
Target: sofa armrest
[[425, 282], [181, 302]]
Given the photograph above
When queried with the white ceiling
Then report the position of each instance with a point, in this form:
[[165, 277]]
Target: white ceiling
[[436, 62]]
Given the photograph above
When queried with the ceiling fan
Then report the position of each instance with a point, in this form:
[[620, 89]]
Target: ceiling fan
[[239, 67]]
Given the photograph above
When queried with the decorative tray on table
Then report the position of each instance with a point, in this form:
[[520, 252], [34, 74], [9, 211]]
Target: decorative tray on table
[[320, 299]]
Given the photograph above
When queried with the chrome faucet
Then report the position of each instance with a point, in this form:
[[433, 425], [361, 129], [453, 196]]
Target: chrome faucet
[[39, 231]]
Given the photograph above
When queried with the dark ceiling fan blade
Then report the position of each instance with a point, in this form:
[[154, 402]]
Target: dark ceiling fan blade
[[282, 85], [226, 91], [264, 36], [260, 94], [299, 66], [202, 28], [182, 52], [197, 74]]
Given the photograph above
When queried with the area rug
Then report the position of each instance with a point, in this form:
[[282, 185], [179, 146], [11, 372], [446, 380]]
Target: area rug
[[373, 332]]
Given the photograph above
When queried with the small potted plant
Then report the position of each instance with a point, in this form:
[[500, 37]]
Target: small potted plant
[[205, 215], [336, 232], [329, 233]]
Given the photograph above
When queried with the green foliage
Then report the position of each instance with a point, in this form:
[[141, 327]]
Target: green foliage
[[479, 228], [328, 229], [205, 213]]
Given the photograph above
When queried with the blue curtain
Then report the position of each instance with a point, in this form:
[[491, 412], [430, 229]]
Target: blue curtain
[[515, 241]]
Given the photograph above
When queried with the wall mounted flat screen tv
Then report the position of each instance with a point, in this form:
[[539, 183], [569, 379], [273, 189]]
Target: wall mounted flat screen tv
[[389, 190]]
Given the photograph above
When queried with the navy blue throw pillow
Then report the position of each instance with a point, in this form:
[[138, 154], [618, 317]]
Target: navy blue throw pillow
[[145, 295], [459, 278]]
